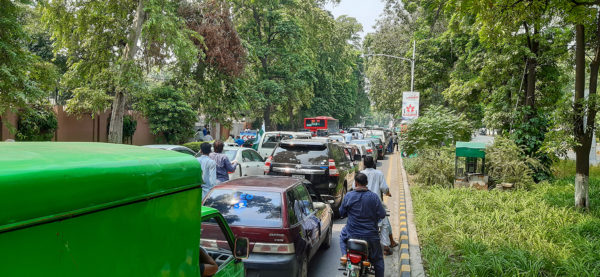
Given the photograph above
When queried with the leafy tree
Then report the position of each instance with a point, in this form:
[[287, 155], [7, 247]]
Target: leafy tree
[[279, 57], [36, 123], [437, 126], [169, 114], [109, 44], [17, 85]]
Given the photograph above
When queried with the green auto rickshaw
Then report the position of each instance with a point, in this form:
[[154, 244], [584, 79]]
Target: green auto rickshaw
[[97, 209]]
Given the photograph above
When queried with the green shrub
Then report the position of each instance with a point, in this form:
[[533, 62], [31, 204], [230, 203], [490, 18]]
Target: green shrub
[[196, 145], [410, 165], [36, 123], [169, 113], [434, 166], [534, 232], [437, 126], [507, 163]]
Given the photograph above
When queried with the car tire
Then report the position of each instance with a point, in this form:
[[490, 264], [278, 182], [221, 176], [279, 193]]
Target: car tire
[[303, 267], [327, 242], [336, 209]]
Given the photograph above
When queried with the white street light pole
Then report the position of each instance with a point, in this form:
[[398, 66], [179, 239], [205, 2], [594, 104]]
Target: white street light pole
[[412, 64]]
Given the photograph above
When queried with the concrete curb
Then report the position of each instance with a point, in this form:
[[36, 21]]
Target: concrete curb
[[416, 263]]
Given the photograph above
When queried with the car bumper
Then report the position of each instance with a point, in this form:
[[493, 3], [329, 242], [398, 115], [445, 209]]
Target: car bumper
[[271, 265]]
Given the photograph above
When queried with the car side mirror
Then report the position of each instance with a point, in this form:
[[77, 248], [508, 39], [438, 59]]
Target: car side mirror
[[319, 205], [242, 248]]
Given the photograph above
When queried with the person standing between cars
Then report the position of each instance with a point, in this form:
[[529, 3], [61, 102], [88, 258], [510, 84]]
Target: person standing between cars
[[239, 141], [395, 138], [209, 169], [364, 211], [378, 185], [223, 164], [208, 137]]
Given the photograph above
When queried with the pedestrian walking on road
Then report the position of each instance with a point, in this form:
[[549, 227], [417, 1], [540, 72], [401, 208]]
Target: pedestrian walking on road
[[209, 169], [223, 164], [379, 186], [395, 138], [364, 210]]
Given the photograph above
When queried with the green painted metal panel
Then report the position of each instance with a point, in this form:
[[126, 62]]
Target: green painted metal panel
[[158, 237], [470, 149], [45, 181], [92, 209]]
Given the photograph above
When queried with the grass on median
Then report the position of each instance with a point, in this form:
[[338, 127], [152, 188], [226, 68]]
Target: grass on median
[[534, 232]]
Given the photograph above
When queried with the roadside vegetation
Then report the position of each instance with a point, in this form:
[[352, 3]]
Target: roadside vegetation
[[535, 232]]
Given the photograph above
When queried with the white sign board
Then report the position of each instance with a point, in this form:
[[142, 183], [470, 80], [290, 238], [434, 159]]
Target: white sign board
[[410, 105]]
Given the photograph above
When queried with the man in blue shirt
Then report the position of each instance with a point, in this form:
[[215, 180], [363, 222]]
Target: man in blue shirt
[[223, 164], [239, 141], [364, 211]]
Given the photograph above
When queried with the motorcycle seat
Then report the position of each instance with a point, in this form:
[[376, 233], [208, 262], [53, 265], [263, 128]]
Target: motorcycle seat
[[358, 245]]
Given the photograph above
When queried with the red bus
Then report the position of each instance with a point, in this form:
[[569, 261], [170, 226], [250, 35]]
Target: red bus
[[322, 125]]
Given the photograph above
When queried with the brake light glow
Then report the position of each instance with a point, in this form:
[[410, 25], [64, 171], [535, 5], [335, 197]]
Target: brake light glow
[[275, 248], [369, 150], [268, 164], [355, 258], [332, 169]]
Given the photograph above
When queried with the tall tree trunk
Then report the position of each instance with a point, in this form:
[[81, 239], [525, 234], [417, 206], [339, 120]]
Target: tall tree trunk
[[582, 151], [267, 118], [115, 131]]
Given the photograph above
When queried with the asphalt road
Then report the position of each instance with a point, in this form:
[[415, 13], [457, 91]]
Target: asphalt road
[[327, 262]]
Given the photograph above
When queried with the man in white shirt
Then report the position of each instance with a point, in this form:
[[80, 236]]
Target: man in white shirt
[[378, 185], [209, 169]]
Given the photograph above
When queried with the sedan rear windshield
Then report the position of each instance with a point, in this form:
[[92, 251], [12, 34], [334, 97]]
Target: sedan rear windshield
[[301, 154], [247, 207]]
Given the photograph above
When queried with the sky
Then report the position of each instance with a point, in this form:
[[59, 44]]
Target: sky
[[365, 11]]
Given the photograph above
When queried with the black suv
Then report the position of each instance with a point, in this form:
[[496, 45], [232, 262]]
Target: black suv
[[327, 165]]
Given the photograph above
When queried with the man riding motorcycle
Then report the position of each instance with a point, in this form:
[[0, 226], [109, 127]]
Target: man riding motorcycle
[[364, 211]]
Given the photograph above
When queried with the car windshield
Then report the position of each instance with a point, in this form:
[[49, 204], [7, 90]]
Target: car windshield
[[230, 153], [247, 207], [301, 154], [271, 140]]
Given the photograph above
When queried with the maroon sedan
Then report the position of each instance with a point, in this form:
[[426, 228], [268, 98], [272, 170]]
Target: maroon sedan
[[284, 219]]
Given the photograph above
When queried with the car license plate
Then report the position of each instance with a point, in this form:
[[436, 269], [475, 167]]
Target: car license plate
[[297, 176]]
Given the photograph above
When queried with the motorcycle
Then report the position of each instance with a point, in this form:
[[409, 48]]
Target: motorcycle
[[356, 262]]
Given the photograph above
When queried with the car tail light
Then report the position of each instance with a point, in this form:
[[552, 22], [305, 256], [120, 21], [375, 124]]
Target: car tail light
[[275, 248], [354, 258], [268, 164], [369, 150], [332, 169], [209, 243]]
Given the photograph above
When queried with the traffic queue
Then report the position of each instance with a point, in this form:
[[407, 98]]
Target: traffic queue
[[118, 210]]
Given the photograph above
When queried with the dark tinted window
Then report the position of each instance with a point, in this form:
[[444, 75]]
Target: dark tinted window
[[256, 157], [247, 156], [247, 207], [304, 200], [291, 199], [301, 154]]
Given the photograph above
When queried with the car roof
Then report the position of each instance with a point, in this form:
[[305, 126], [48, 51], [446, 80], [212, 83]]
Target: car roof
[[267, 183], [304, 141]]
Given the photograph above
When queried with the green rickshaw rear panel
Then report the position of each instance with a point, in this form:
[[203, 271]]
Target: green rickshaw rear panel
[[95, 209]]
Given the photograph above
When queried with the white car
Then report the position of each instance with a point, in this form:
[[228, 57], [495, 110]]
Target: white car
[[250, 163], [269, 140]]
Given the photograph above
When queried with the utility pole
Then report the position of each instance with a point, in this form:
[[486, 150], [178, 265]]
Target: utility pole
[[412, 64]]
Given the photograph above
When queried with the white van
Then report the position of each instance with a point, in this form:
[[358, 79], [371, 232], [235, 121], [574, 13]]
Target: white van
[[269, 140]]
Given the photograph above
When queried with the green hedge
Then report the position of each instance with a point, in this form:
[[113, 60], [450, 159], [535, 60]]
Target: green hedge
[[196, 145], [36, 123]]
